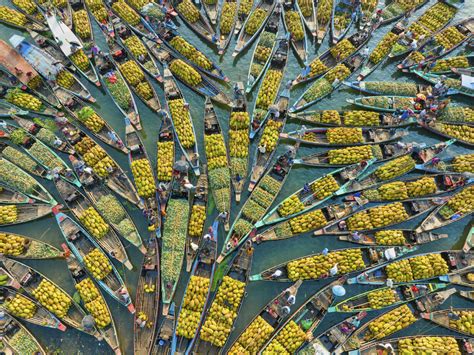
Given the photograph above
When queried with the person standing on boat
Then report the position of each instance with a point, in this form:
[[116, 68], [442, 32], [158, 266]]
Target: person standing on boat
[[276, 274]]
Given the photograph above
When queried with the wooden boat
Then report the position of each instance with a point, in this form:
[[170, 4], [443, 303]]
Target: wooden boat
[[385, 103], [46, 57], [322, 22], [199, 199], [69, 45], [454, 85], [214, 137], [402, 293], [10, 196], [341, 20], [299, 44], [278, 63], [464, 345], [271, 316], [445, 317], [427, 303], [469, 243], [119, 57], [81, 244], [28, 22], [147, 300], [164, 333], [87, 41], [96, 190], [28, 279], [467, 294], [444, 166], [307, 317], [463, 275], [276, 125], [236, 273], [44, 109], [7, 110], [33, 249], [14, 64], [81, 277], [201, 27], [394, 11], [225, 38], [212, 10], [370, 257], [307, 10], [439, 128], [140, 27], [245, 40], [388, 88], [35, 129], [172, 92], [26, 164], [118, 89], [444, 214], [15, 338], [456, 260], [258, 64], [410, 238], [41, 316], [255, 207], [78, 203], [203, 269], [463, 69]]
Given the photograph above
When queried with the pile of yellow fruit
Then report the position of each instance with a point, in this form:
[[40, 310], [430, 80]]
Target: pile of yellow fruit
[[464, 324], [8, 214], [165, 160], [437, 16], [324, 187], [12, 244], [227, 17], [191, 52], [223, 311], [431, 345], [65, 79], [395, 168], [449, 37], [143, 176], [26, 5], [79, 58], [328, 116], [323, 12], [262, 53], [416, 57], [417, 268], [383, 48], [94, 223], [290, 338], [144, 90], [192, 307], [380, 216], [293, 22], [196, 222], [182, 123], [239, 142], [463, 163], [54, 299], [390, 322], [269, 89], [270, 135], [126, 13], [350, 155], [139, 4], [306, 222], [216, 153], [244, 7], [97, 264], [344, 135], [342, 50], [20, 306], [290, 206], [23, 100], [132, 72], [12, 16], [390, 237], [98, 10], [87, 290], [188, 10], [185, 72], [253, 338], [340, 72], [361, 118], [94, 302], [317, 266], [317, 67], [91, 119], [462, 202], [306, 7], [95, 157], [382, 298], [461, 132], [81, 23], [135, 46], [444, 65], [421, 187], [255, 21]]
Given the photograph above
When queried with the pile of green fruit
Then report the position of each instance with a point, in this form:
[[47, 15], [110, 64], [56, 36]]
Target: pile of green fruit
[[8, 214], [317, 67], [219, 180], [324, 187], [289, 339], [342, 50], [465, 323], [191, 52], [98, 10], [461, 132], [341, 20], [318, 90], [94, 223], [139, 4], [392, 88], [382, 298], [143, 176], [290, 205], [293, 22], [135, 46], [449, 37], [229, 10], [80, 60], [97, 264], [395, 168], [54, 299], [91, 119], [323, 12], [81, 23], [182, 123], [216, 154], [429, 344], [46, 157], [344, 135], [244, 7], [330, 117], [269, 184], [20, 158], [185, 72], [196, 222], [255, 21], [22, 342], [20, 306], [253, 338], [188, 10], [420, 267], [269, 89], [270, 135], [14, 177], [12, 16], [94, 302], [444, 65], [165, 160], [461, 202], [390, 322], [306, 7], [24, 100], [463, 163], [350, 155], [456, 114], [126, 13], [132, 72], [361, 118]]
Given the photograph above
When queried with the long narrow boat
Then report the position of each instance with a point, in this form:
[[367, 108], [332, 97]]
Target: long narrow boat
[[46, 57], [267, 93], [92, 300], [469, 242], [258, 203], [456, 207], [264, 324], [262, 54], [164, 333], [337, 262], [439, 263], [293, 23], [38, 287], [462, 276], [324, 10], [9, 195], [130, 15], [384, 297], [226, 22], [14, 64], [254, 23], [461, 63], [395, 320], [7, 109], [342, 19], [407, 89], [16, 338], [181, 120], [314, 193], [195, 19], [460, 132], [397, 9], [16, 19], [392, 237], [196, 222], [385, 103], [467, 294], [25, 98], [212, 9], [459, 164], [12, 301], [111, 209], [82, 245], [235, 277], [25, 247], [199, 286], [269, 138], [166, 158], [452, 319], [454, 85], [147, 300], [72, 47], [83, 209], [23, 161], [303, 321], [460, 345], [118, 89], [307, 10], [81, 23], [218, 163]]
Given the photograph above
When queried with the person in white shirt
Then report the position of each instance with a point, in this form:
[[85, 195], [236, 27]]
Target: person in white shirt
[[277, 273]]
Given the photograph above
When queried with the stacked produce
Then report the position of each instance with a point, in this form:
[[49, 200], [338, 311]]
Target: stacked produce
[[323, 86], [114, 212], [262, 52], [400, 190], [420, 267], [416, 57], [429, 344], [361, 118], [53, 298], [463, 163], [460, 203], [270, 135], [342, 50], [132, 72], [306, 7], [255, 21], [392, 88], [464, 323], [91, 119], [317, 67], [324, 187], [22, 99], [229, 10], [45, 156], [323, 12], [97, 8], [139, 4], [390, 322], [143, 176], [395, 168], [293, 22], [20, 306], [94, 223], [317, 266], [330, 116], [12, 244], [191, 52], [269, 89], [23, 343], [135, 46], [12, 16], [97, 264], [400, 7], [376, 217], [382, 298], [119, 91], [46, 136], [456, 114], [196, 222], [14, 177], [165, 160], [341, 20], [288, 340], [385, 102], [368, 6], [82, 25], [79, 58], [339, 72], [26, 5], [350, 155], [343, 135], [58, 3], [192, 307], [215, 151], [437, 16], [245, 7], [444, 65], [8, 214], [182, 123], [461, 132], [95, 157], [20, 159], [126, 13], [290, 205], [144, 90], [449, 37], [253, 338], [302, 224], [219, 180], [239, 143], [188, 10], [223, 311], [94, 302]]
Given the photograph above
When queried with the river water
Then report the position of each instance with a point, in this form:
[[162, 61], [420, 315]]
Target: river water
[[266, 254]]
